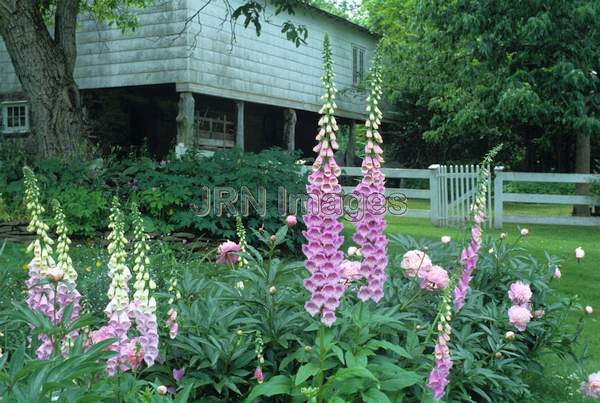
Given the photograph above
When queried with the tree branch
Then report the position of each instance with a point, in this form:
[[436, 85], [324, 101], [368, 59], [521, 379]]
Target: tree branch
[[65, 26]]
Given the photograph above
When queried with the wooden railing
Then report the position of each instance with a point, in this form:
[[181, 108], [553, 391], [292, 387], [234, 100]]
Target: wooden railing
[[500, 198]]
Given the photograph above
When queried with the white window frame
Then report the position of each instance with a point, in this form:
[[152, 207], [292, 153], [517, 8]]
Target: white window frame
[[4, 116], [358, 68]]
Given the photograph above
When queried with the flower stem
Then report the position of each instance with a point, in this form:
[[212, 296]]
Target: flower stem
[[322, 354]]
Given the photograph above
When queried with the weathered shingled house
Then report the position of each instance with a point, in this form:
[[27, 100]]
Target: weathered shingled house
[[197, 80]]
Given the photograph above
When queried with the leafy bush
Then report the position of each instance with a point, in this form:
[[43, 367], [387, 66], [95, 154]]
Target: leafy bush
[[374, 352], [171, 194]]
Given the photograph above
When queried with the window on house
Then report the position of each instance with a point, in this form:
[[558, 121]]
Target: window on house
[[14, 117], [358, 64]]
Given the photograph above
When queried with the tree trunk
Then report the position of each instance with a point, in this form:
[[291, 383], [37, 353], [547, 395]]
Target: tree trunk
[[582, 166], [45, 67]]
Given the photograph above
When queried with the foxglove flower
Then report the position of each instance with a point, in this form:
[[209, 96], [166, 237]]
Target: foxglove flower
[[172, 323], [469, 255], [370, 193], [118, 307], [241, 234], [49, 298], [324, 209], [143, 306], [178, 373], [438, 378]]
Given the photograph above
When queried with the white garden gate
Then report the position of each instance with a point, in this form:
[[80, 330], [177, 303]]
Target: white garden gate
[[456, 188]]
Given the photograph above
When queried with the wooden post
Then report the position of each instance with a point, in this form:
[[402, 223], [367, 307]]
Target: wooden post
[[239, 129], [349, 157], [434, 194], [185, 123], [289, 129], [498, 197]]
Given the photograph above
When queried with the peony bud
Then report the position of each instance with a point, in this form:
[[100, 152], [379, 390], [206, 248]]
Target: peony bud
[[272, 290], [503, 235], [510, 335], [589, 310], [579, 253], [162, 390], [446, 239], [352, 250], [272, 238], [308, 349], [524, 232], [291, 220], [557, 274], [498, 355]]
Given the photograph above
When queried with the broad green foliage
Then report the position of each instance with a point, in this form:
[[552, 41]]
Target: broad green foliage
[[374, 352], [170, 194], [477, 73]]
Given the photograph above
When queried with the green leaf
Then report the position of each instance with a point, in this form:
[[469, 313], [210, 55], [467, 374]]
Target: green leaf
[[305, 372], [343, 374], [280, 234], [374, 395], [278, 385], [386, 345]]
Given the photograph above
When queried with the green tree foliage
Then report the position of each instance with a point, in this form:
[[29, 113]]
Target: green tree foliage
[[470, 73]]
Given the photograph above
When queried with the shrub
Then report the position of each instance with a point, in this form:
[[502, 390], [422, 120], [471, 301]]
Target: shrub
[[170, 193]]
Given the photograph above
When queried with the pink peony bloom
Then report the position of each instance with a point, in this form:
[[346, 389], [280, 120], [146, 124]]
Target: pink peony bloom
[[54, 274], [226, 253], [291, 220], [350, 271], [591, 388], [519, 317], [415, 261], [436, 278], [519, 293], [178, 373]]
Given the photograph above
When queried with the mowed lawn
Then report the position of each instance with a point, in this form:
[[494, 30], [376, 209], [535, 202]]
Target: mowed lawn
[[578, 279]]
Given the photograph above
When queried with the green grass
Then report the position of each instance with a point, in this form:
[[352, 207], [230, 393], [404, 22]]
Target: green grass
[[534, 209], [581, 279]]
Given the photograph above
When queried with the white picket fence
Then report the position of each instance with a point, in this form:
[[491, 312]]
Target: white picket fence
[[400, 173], [452, 189]]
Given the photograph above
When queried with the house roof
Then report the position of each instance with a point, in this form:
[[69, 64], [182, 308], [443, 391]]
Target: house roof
[[341, 19]]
